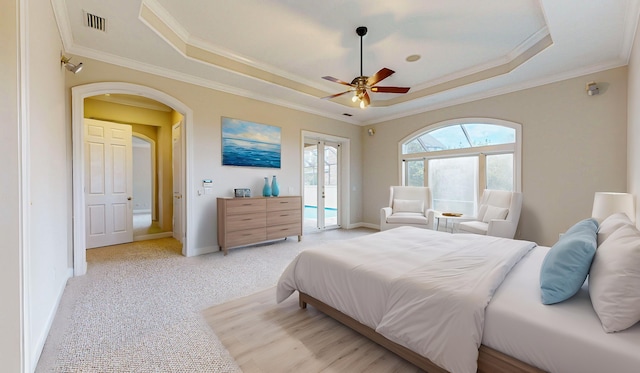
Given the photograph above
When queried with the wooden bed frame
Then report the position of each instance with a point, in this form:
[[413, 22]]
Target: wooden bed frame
[[489, 360]]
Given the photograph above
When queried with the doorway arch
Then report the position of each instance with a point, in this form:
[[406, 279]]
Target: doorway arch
[[78, 95]]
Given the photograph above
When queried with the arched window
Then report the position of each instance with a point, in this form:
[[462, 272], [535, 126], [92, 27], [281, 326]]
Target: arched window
[[460, 158]]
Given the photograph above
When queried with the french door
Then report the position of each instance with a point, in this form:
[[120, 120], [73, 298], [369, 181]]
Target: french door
[[321, 184]]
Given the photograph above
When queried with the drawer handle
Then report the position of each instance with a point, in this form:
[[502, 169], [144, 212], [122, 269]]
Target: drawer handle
[[246, 219], [284, 215], [284, 202]]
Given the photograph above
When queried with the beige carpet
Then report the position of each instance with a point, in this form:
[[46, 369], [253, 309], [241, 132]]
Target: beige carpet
[[265, 337], [138, 308]]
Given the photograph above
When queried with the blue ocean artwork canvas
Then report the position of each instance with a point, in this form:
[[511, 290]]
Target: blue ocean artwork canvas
[[250, 144]]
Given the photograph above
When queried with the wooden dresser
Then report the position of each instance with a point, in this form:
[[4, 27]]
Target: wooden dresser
[[245, 221]]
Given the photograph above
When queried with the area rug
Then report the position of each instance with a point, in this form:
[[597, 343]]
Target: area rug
[[263, 336]]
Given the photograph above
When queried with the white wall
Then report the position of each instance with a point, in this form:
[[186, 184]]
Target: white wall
[[208, 107], [35, 181], [49, 176], [572, 146], [10, 199], [633, 129]]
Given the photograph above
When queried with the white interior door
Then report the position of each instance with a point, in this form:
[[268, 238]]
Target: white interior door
[[108, 183], [178, 231]]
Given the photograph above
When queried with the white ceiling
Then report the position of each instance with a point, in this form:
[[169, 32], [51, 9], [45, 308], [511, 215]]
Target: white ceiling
[[278, 50]]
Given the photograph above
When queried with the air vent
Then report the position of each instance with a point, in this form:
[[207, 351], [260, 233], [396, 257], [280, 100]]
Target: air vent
[[95, 22]]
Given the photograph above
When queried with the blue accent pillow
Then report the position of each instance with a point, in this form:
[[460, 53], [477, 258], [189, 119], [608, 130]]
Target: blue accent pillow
[[567, 264]]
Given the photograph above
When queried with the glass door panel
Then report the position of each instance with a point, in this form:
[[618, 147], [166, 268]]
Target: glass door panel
[[330, 190], [310, 186], [321, 185]]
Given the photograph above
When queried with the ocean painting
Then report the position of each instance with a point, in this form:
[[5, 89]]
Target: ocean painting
[[250, 144]]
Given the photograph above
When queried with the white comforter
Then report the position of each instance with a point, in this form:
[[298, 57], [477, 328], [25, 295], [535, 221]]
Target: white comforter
[[423, 289]]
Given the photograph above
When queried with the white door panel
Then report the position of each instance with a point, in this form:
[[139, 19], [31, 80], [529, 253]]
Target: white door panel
[[108, 183]]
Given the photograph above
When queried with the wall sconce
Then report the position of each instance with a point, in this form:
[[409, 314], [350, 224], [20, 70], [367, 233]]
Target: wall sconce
[[69, 66], [371, 131], [592, 89]]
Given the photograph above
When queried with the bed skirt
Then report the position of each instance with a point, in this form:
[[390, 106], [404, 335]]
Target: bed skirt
[[489, 360]]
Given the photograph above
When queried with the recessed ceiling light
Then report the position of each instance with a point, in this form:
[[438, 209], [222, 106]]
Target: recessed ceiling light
[[413, 58]]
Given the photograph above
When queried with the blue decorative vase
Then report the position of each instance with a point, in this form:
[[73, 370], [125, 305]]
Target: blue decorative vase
[[266, 190], [275, 189]]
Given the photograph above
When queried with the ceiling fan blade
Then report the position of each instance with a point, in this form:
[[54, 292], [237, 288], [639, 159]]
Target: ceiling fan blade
[[390, 89], [382, 74], [337, 94], [365, 98], [330, 78]]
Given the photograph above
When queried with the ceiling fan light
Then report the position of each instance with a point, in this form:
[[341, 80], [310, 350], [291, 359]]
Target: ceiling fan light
[[355, 98], [362, 104]]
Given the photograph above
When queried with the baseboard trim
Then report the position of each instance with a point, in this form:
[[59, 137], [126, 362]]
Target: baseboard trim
[[153, 236], [363, 225], [205, 250]]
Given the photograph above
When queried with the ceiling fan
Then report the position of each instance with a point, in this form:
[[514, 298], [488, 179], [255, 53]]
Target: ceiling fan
[[361, 84]]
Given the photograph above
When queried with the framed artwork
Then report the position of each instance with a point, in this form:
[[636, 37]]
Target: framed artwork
[[250, 144]]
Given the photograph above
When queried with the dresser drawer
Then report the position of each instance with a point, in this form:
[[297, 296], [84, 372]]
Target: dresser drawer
[[284, 203], [245, 237], [244, 205], [281, 231], [246, 221], [283, 217]]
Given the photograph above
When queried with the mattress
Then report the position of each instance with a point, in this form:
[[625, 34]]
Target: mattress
[[564, 337]]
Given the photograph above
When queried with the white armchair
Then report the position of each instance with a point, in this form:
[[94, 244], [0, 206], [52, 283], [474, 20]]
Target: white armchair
[[498, 214], [407, 206]]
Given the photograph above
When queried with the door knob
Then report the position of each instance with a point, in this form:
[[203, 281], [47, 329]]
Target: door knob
[[129, 199]]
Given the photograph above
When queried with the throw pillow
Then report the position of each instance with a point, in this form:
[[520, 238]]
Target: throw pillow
[[614, 280], [611, 224], [408, 205], [494, 212], [567, 264]]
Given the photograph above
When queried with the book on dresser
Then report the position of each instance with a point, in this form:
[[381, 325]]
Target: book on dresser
[[246, 221]]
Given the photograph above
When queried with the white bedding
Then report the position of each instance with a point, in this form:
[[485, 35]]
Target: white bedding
[[564, 337], [423, 289]]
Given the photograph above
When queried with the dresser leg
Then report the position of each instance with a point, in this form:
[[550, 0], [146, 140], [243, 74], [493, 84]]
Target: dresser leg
[[299, 237]]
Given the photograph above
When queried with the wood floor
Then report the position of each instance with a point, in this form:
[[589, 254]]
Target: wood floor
[[263, 336]]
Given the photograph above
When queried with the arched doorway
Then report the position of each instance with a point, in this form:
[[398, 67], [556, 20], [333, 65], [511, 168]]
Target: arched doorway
[[79, 94]]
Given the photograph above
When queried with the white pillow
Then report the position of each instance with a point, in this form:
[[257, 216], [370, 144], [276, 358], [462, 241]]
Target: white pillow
[[614, 280], [494, 212], [611, 224], [408, 205], [481, 211]]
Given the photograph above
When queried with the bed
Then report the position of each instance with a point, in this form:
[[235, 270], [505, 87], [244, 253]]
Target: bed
[[491, 320]]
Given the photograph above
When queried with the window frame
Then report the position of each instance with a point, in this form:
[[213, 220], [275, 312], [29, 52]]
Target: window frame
[[481, 151]]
